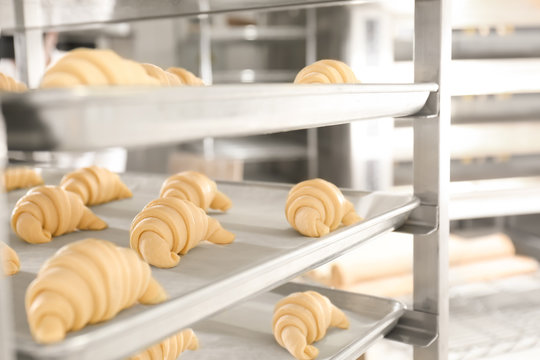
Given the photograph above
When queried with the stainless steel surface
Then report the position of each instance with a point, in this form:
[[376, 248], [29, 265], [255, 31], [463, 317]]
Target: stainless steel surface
[[492, 109], [89, 118], [245, 331], [415, 328], [68, 13], [266, 252], [432, 56]]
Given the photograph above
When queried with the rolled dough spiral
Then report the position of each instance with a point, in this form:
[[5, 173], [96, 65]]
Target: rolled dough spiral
[[7, 83], [95, 185], [87, 282], [186, 77], [197, 188], [302, 318], [170, 348], [21, 177], [170, 226], [47, 211], [164, 77], [95, 67], [326, 72], [316, 207], [10, 259]]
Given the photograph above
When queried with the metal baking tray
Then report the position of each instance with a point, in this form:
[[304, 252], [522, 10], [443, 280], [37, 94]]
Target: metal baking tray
[[245, 331], [266, 252], [67, 14], [90, 118]]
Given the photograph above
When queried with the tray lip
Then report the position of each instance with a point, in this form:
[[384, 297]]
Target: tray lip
[[112, 94], [76, 343]]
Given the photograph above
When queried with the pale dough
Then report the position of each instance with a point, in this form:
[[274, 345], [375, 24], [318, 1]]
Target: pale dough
[[326, 72], [197, 188], [170, 226], [164, 77], [7, 83], [95, 185], [10, 260], [186, 77], [95, 67], [170, 348], [87, 282], [21, 177], [303, 318], [47, 211], [316, 207]]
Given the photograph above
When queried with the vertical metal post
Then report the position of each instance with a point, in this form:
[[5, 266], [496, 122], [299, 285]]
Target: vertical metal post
[[432, 55], [205, 44], [311, 57]]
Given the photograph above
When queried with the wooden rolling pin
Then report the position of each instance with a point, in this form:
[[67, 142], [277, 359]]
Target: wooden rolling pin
[[486, 270], [391, 255]]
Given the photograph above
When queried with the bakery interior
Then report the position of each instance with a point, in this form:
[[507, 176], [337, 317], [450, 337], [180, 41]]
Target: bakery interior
[[444, 141]]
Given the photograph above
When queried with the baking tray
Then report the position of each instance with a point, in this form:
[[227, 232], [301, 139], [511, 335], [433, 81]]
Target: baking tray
[[266, 252], [245, 331], [90, 118], [66, 14]]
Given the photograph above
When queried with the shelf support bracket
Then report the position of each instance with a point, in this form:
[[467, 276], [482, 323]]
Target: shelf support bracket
[[423, 220], [415, 328]]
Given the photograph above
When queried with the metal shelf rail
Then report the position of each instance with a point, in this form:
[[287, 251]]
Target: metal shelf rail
[[431, 150]]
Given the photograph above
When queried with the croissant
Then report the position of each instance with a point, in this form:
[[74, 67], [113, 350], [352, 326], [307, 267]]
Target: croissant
[[95, 185], [10, 260], [186, 77], [169, 226], [21, 177], [170, 348], [86, 282], [95, 67], [316, 207], [302, 318], [164, 77], [47, 211], [7, 83], [326, 72], [197, 188]]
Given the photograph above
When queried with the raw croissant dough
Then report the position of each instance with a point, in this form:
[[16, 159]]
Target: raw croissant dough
[[95, 185], [316, 207], [326, 72], [169, 226], [170, 348], [186, 77], [164, 77], [197, 188], [47, 211], [10, 260], [21, 177], [7, 83], [86, 282], [302, 318], [95, 67]]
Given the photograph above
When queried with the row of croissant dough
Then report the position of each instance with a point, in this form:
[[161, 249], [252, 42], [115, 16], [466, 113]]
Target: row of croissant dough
[[80, 284], [100, 67]]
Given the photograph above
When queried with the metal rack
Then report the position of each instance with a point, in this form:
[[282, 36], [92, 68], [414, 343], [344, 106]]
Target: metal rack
[[428, 219]]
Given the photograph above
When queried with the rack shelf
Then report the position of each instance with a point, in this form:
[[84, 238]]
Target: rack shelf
[[266, 252], [90, 118], [67, 14], [245, 332]]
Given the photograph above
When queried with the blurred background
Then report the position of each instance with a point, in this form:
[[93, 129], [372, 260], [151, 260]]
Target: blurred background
[[495, 161]]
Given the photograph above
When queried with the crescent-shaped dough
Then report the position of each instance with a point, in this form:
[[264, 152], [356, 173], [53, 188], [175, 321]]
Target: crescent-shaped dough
[[10, 259], [7, 83], [197, 188], [302, 318], [326, 72], [21, 177], [316, 207], [87, 282], [95, 67], [164, 77], [95, 185], [170, 226], [186, 77], [170, 348], [47, 211]]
